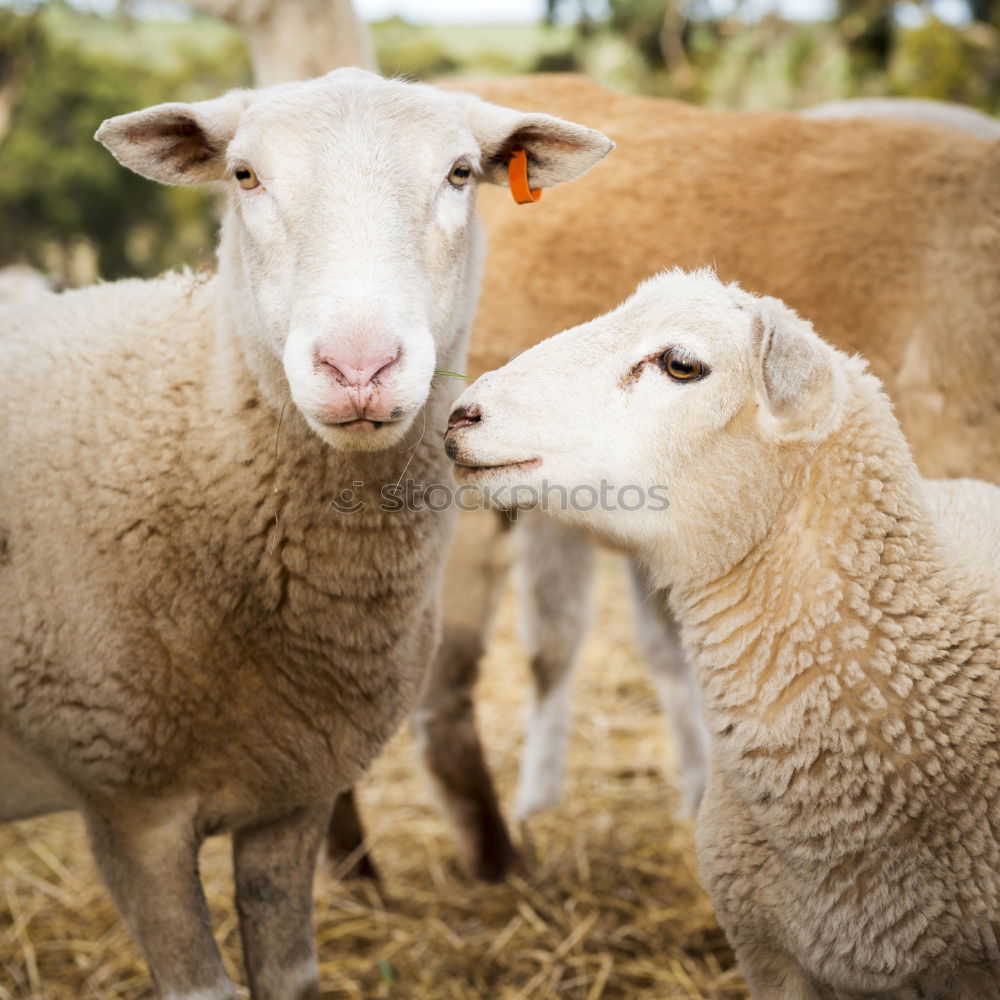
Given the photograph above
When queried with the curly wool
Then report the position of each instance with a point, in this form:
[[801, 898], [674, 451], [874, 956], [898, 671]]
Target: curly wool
[[182, 594], [850, 667]]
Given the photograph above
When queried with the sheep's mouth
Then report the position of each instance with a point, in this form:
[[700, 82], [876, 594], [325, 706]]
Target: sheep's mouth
[[358, 425], [472, 470]]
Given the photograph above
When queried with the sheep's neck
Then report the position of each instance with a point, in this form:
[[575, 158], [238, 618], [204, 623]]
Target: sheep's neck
[[820, 654]]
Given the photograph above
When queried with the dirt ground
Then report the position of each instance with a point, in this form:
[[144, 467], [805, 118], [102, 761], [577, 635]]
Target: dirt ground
[[611, 907]]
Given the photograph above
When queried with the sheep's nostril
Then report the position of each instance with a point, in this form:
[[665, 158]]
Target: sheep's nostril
[[358, 373], [463, 416]]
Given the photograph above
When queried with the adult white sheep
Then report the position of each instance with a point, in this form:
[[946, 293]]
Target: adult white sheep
[[195, 638], [942, 114], [843, 615]]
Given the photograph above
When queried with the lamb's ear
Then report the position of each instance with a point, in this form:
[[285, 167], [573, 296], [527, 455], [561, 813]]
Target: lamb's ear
[[176, 143], [794, 373], [558, 150]]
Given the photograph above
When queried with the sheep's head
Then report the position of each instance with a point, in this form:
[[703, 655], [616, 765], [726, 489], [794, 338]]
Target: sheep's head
[[671, 423], [350, 250]]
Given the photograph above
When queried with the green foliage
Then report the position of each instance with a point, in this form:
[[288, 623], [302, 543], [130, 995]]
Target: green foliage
[[59, 187], [404, 50], [423, 52], [60, 191], [774, 64], [868, 30], [942, 62], [557, 61], [640, 22]]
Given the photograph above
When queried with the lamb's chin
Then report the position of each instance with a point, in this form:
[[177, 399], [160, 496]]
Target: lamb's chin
[[509, 474]]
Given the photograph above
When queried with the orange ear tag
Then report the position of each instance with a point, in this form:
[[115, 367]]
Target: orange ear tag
[[518, 175]]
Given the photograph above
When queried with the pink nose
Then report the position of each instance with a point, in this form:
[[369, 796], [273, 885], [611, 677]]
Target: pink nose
[[358, 373]]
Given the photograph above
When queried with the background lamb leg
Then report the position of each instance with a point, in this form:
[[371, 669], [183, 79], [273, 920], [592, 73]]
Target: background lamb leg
[[345, 842], [445, 722], [147, 854], [554, 574], [676, 688], [274, 865]]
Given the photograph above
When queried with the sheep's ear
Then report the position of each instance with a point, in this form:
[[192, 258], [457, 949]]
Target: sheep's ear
[[794, 373], [176, 143], [558, 150]]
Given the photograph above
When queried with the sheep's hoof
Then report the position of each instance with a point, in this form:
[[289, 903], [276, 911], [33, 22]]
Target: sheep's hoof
[[496, 856]]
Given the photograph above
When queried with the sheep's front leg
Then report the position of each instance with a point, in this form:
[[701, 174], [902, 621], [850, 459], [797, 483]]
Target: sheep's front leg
[[147, 854], [554, 575], [676, 687], [274, 865]]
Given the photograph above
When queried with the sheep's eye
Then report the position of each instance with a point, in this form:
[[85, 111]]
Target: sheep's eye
[[246, 178], [460, 174], [681, 367]]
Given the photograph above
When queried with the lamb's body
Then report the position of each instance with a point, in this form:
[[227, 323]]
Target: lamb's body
[[151, 503], [851, 682], [842, 614]]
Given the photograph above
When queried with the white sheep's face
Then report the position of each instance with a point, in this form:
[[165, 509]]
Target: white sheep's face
[[351, 250], [661, 425]]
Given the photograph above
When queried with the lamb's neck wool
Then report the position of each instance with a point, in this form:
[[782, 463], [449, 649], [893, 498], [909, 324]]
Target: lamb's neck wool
[[843, 661]]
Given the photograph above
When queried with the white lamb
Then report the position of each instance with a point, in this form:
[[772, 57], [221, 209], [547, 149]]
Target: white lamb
[[843, 615], [195, 638]]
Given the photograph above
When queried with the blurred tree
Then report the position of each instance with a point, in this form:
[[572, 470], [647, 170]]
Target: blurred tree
[[59, 188], [19, 38], [643, 24], [407, 50], [868, 30], [63, 198], [948, 63], [985, 11]]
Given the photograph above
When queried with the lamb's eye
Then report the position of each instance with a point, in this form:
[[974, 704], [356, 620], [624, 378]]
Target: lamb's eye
[[246, 178], [680, 366], [460, 173]]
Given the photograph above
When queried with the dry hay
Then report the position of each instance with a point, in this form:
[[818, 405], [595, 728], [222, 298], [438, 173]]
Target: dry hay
[[611, 906]]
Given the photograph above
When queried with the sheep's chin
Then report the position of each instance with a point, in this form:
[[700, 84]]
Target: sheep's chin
[[361, 438]]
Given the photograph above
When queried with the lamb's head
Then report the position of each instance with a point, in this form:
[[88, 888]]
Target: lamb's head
[[350, 251], [673, 424]]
